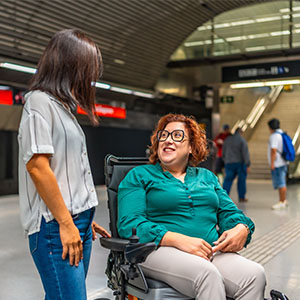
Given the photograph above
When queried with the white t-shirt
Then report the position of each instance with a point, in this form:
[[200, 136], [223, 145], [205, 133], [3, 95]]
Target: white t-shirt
[[275, 142], [48, 127]]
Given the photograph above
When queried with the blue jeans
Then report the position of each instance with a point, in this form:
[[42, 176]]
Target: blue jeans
[[231, 171], [62, 281]]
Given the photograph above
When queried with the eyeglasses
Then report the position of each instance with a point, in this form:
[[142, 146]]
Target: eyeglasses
[[176, 135]]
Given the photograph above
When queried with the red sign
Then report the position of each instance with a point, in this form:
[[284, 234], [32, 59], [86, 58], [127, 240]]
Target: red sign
[[6, 97], [104, 110]]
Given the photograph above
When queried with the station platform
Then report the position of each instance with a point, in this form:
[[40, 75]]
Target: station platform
[[275, 245]]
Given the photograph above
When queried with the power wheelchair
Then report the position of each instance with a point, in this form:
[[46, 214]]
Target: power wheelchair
[[125, 276]]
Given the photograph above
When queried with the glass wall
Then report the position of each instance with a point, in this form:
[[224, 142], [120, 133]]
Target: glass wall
[[263, 27]]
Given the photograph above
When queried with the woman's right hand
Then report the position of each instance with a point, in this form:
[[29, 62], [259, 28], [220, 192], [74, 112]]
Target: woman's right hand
[[187, 244], [71, 242]]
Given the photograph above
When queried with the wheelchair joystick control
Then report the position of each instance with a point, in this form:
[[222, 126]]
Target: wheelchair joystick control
[[135, 253], [134, 238]]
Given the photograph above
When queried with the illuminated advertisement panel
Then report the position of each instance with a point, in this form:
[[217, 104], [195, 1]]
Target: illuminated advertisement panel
[[6, 97], [104, 110]]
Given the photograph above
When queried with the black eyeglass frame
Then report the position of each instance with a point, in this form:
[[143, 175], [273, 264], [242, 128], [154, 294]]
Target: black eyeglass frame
[[170, 133]]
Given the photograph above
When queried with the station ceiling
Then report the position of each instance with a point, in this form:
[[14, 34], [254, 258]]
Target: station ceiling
[[136, 37]]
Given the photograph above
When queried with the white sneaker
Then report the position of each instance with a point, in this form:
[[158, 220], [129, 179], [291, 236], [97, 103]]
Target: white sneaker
[[280, 205]]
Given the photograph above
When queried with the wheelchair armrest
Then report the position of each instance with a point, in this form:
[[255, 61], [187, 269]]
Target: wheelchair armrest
[[276, 295], [137, 253], [114, 244]]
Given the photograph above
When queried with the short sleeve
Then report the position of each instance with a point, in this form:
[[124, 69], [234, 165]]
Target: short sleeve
[[35, 137], [275, 141]]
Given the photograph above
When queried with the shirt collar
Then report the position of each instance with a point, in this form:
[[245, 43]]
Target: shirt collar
[[277, 131], [189, 170], [65, 107]]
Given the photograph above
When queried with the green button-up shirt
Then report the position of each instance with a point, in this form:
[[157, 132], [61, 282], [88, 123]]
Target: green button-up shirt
[[154, 202]]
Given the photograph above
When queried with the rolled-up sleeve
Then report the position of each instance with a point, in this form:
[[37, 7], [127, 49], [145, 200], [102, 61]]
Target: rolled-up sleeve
[[132, 210], [35, 137], [229, 215]]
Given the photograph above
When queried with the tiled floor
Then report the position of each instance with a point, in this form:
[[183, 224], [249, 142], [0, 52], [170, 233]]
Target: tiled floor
[[277, 234]]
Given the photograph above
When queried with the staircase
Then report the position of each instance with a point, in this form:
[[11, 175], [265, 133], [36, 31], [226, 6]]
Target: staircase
[[287, 110]]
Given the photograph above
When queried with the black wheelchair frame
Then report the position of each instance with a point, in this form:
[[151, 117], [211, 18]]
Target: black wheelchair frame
[[125, 276]]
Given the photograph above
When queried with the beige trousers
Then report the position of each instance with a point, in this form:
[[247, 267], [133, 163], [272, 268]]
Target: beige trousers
[[229, 274]]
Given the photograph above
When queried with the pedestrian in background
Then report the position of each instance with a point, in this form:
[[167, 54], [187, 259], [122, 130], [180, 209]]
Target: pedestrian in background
[[57, 193], [277, 163], [219, 141], [237, 163]]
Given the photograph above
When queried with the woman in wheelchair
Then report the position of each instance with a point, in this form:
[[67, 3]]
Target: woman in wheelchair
[[184, 210]]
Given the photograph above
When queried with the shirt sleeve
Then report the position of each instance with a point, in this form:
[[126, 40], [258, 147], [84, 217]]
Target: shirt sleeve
[[224, 152], [132, 209], [275, 141], [245, 151], [35, 137], [228, 214], [216, 139]]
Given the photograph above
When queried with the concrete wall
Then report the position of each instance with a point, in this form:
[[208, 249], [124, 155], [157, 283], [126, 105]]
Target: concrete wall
[[244, 101]]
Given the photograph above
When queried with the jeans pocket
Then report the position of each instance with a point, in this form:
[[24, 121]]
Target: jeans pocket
[[33, 242]]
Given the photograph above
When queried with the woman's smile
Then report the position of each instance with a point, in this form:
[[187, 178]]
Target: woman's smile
[[168, 149]]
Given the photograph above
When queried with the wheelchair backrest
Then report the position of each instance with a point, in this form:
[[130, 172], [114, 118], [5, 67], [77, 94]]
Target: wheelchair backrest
[[115, 169]]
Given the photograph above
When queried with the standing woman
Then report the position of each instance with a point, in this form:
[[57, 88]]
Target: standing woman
[[57, 194]]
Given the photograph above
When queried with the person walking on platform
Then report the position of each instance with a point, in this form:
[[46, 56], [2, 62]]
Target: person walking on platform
[[237, 163], [219, 141], [56, 189], [277, 163]]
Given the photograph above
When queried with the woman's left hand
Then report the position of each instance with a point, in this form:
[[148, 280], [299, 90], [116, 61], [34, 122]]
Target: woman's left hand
[[99, 229], [232, 240]]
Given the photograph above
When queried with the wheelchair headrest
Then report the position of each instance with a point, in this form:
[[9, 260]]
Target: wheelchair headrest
[[118, 174]]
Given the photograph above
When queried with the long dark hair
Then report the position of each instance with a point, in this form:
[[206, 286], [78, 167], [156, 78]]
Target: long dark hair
[[68, 69]]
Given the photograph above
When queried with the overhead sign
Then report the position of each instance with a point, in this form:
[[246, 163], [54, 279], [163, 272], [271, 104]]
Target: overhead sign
[[227, 99], [104, 110], [273, 70]]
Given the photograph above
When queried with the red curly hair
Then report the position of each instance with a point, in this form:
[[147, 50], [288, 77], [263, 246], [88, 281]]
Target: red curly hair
[[197, 137]]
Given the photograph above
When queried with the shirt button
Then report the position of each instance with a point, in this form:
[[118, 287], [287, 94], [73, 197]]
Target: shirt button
[[92, 190], [89, 172], [186, 188], [190, 197], [84, 153]]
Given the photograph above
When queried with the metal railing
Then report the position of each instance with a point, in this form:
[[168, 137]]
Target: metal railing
[[294, 167], [220, 37], [264, 103]]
